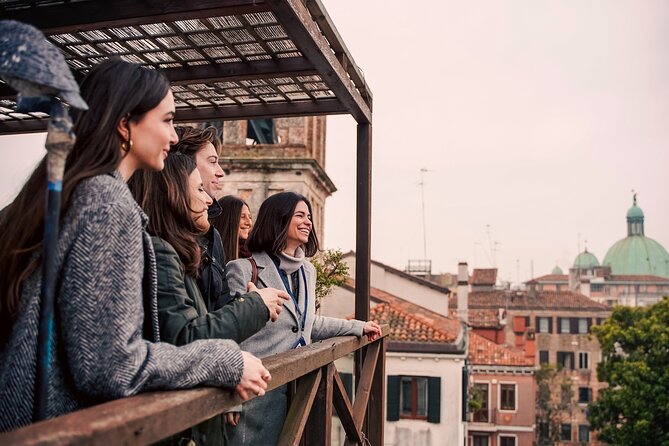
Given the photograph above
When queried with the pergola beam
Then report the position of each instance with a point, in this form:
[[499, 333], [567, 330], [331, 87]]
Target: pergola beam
[[262, 69], [95, 14], [301, 28]]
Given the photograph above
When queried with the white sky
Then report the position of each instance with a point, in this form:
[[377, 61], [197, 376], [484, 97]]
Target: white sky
[[536, 118]]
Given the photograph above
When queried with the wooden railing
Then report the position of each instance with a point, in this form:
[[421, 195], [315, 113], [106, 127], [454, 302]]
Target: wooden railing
[[153, 416]]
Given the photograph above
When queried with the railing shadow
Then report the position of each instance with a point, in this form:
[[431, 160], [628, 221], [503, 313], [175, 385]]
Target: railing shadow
[[153, 416]]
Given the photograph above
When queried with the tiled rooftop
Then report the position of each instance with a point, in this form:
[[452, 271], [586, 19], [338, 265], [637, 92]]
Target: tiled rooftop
[[484, 276], [550, 278], [524, 300], [485, 352], [644, 278], [479, 318], [410, 322]]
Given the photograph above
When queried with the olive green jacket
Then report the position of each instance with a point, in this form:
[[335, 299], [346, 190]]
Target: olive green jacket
[[182, 312], [183, 318]]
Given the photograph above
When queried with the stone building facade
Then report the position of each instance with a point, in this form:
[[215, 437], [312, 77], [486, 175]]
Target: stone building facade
[[294, 160]]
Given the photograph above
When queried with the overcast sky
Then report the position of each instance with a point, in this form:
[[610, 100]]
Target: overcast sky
[[535, 118]]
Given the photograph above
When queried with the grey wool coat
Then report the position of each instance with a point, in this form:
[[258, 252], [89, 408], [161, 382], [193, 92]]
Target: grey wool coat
[[262, 418], [101, 348]]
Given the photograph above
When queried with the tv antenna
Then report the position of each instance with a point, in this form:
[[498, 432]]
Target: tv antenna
[[423, 171]]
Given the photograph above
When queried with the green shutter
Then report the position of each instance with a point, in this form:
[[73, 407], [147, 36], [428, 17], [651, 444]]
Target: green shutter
[[393, 398], [347, 381], [434, 399]]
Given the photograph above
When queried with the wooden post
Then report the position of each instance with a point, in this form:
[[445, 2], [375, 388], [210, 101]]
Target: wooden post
[[377, 402], [319, 426], [363, 229]]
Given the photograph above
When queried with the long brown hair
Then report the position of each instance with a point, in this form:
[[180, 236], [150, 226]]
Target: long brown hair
[[113, 90], [270, 231], [227, 224], [165, 197]]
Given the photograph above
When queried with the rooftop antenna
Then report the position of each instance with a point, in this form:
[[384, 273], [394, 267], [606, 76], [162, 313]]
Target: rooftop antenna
[[423, 171]]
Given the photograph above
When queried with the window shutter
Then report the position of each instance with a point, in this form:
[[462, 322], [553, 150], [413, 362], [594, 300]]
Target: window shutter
[[536, 325], [573, 325], [434, 397], [589, 324], [550, 324], [347, 380], [393, 398]]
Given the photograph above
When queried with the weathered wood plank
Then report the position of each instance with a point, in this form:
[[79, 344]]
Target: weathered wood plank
[[150, 417], [319, 426], [377, 404], [365, 385], [300, 406], [345, 410]]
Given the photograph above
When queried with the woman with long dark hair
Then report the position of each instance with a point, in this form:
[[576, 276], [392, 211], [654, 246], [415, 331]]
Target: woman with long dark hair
[[234, 223], [106, 326], [282, 238], [177, 206]]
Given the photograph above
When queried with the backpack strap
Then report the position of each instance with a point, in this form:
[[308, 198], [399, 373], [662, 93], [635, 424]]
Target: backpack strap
[[254, 271]]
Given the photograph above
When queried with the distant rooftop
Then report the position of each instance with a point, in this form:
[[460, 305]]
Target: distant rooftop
[[484, 276], [524, 300], [485, 352]]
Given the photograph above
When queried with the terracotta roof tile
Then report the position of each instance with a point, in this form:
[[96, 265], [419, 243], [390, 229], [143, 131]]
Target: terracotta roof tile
[[485, 352], [484, 276], [550, 278], [640, 278], [526, 300], [480, 318], [410, 322]]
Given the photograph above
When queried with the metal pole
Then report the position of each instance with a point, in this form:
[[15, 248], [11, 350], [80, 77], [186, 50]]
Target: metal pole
[[59, 142]]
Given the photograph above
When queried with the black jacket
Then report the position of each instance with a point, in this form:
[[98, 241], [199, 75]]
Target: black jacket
[[212, 281]]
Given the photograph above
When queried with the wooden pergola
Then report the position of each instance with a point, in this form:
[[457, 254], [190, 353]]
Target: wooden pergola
[[225, 59]]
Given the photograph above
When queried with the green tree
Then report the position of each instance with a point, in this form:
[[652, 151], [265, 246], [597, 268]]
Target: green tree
[[554, 402], [634, 409], [330, 272]]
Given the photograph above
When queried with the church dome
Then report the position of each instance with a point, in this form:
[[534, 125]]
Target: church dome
[[586, 260], [557, 270], [637, 254]]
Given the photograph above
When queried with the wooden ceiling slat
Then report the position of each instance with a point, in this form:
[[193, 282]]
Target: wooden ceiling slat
[[296, 19], [94, 14]]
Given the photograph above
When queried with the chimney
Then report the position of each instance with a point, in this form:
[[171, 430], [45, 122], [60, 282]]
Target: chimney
[[463, 291]]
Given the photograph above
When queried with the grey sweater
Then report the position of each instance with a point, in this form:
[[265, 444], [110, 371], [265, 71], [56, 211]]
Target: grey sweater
[[107, 281]]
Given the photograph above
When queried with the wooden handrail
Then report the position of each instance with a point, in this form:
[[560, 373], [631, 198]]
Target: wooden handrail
[[153, 416]]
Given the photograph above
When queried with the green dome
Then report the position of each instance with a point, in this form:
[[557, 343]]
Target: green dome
[[586, 260], [638, 255], [557, 270], [635, 212]]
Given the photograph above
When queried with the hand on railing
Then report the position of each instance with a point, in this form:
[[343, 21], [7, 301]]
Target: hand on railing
[[254, 378], [273, 299], [372, 330]]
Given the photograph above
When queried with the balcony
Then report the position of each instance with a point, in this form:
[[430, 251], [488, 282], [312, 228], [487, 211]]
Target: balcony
[[153, 416]]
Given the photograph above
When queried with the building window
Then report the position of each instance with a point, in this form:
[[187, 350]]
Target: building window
[[481, 440], [413, 397], [584, 395], [543, 357], [482, 393], [507, 441], [261, 131], [583, 433], [564, 324], [545, 324], [566, 360], [583, 360], [596, 286], [582, 325], [565, 432], [507, 396]]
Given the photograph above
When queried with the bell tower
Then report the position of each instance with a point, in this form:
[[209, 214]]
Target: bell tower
[[266, 156]]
